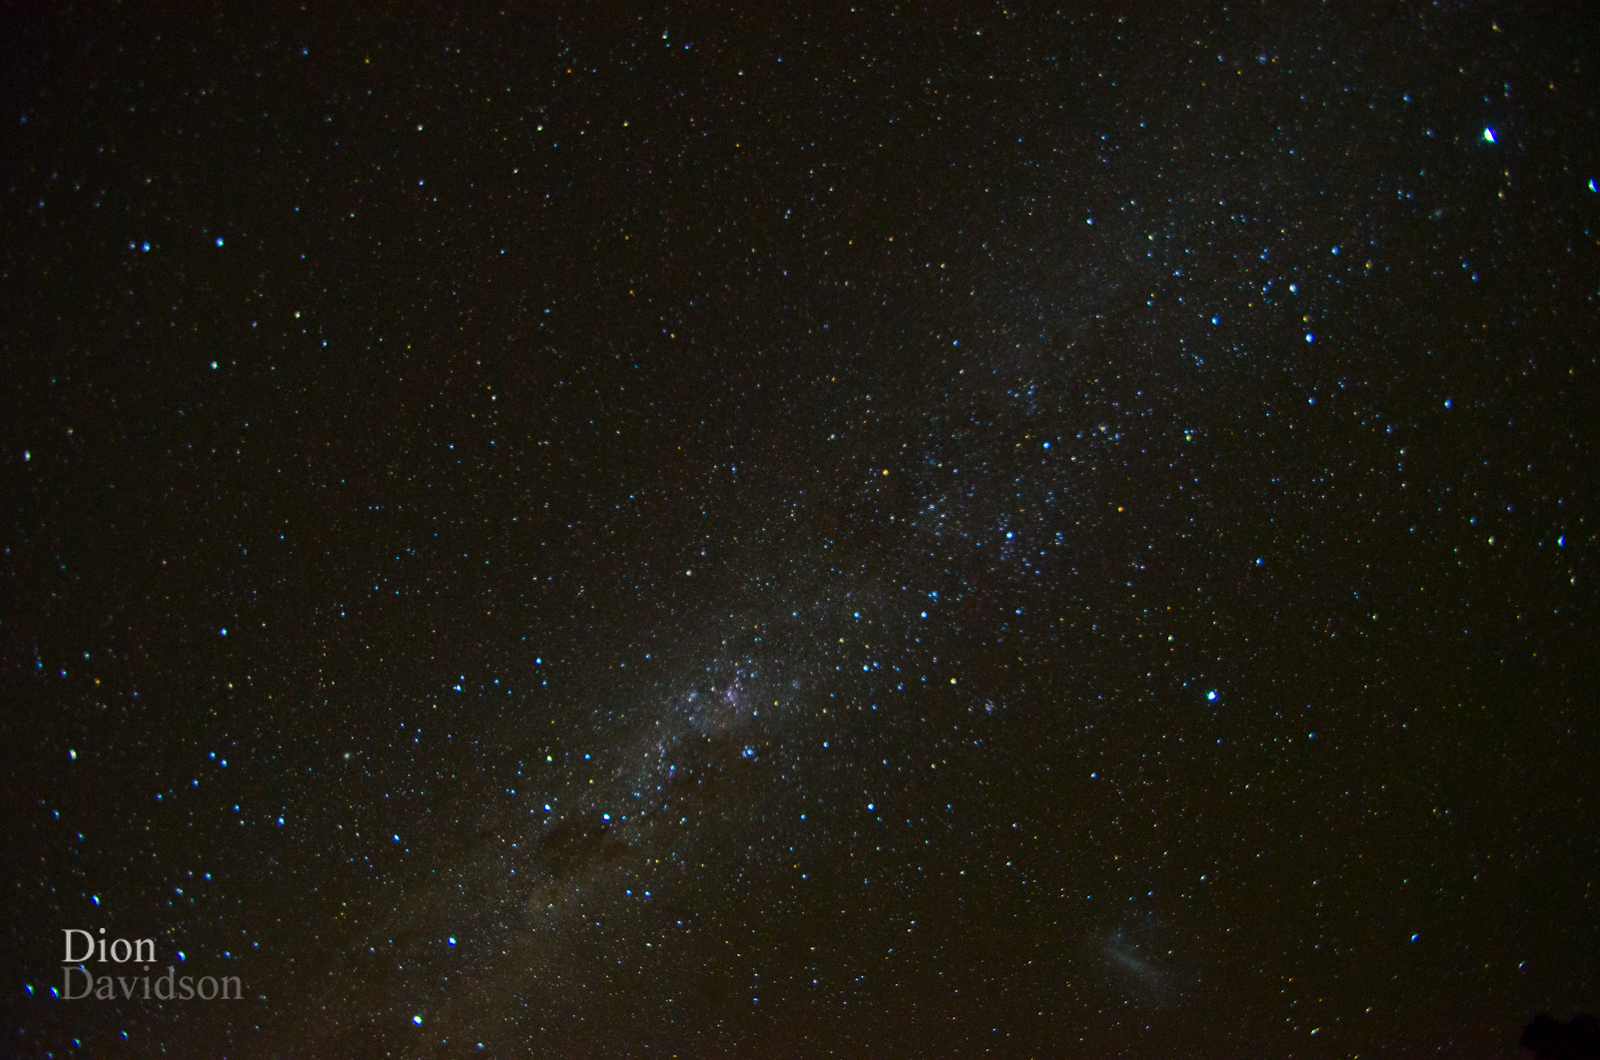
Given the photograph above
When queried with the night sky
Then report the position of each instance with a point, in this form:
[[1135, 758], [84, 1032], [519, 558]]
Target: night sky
[[750, 533]]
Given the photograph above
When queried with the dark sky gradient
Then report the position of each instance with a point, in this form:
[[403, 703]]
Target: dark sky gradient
[[733, 533]]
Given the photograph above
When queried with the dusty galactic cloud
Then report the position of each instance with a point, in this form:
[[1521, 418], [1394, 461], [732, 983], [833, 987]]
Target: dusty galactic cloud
[[860, 532]]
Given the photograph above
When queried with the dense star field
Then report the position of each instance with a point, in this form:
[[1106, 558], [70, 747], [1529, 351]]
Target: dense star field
[[723, 532]]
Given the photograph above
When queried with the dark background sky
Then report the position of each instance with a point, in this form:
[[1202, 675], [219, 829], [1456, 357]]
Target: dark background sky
[[741, 532]]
